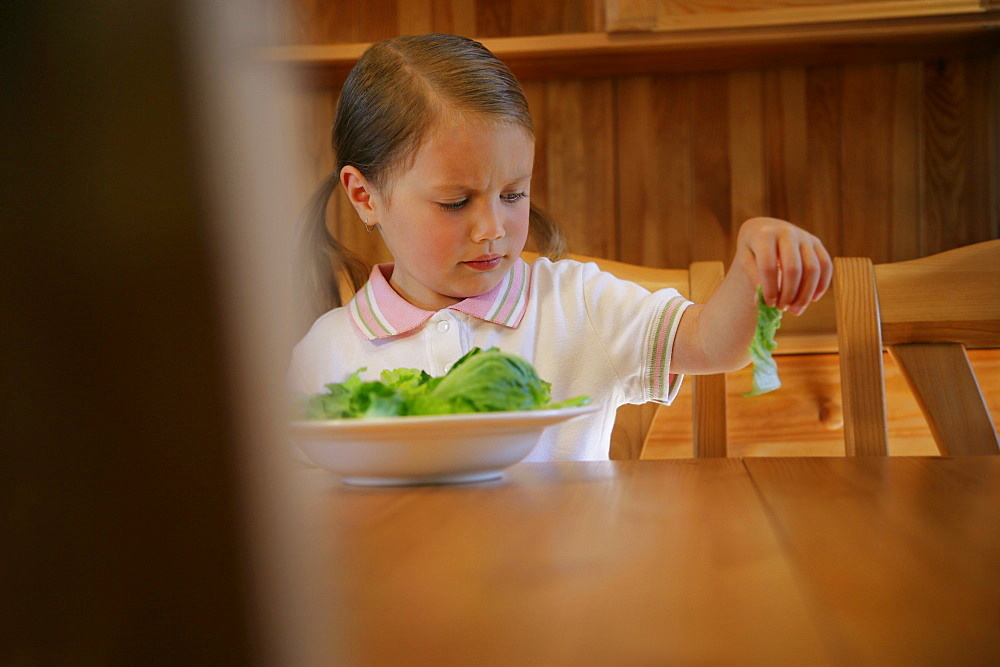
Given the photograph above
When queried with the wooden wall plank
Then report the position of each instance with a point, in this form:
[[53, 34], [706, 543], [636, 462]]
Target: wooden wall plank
[[534, 91], [747, 158], [979, 111], [455, 16], [655, 201], [867, 161], [415, 17], [944, 171], [493, 19], [581, 168], [960, 169], [711, 184], [326, 22], [907, 212], [824, 119], [785, 107], [378, 19]]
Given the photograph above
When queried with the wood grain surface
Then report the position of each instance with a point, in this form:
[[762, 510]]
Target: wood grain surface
[[580, 564], [708, 561], [900, 555]]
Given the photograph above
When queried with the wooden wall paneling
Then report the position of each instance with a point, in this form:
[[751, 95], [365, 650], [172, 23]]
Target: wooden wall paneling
[[943, 150], [581, 167], [316, 107], [454, 16], [984, 181], [785, 106], [534, 91], [518, 18], [632, 15], [993, 127], [907, 173], [867, 161], [326, 22], [747, 158], [378, 19], [655, 206], [493, 18], [823, 119], [961, 152], [711, 178], [414, 18]]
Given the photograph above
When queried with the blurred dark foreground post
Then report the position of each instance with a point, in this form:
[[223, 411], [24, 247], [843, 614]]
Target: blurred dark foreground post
[[146, 511]]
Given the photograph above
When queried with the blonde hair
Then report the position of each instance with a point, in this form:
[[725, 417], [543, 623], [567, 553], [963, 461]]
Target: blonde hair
[[388, 103]]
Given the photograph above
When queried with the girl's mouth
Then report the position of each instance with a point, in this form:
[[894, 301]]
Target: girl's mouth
[[484, 263]]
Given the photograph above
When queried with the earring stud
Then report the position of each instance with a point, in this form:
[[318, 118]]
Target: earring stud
[[369, 228]]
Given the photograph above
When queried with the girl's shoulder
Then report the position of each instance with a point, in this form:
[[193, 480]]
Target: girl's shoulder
[[578, 270], [561, 268], [330, 322]]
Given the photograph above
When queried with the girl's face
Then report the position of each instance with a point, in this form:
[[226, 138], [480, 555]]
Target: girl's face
[[457, 219]]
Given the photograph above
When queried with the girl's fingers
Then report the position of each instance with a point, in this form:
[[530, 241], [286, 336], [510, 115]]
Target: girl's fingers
[[766, 260], [826, 272], [792, 266], [790, 256], [811, 275]]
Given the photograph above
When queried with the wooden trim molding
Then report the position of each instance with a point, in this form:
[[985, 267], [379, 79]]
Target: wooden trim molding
[[609, 54]]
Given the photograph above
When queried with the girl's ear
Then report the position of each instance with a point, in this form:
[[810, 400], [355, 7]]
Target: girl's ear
[[360, 192]]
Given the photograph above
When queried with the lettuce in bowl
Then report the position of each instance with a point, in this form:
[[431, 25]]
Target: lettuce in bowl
[[480, 381]]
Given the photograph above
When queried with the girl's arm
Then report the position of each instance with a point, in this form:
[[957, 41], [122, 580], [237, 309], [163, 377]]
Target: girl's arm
[[793, 269]]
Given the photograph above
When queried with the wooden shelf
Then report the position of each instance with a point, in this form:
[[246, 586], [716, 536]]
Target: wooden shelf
[[608, 54]]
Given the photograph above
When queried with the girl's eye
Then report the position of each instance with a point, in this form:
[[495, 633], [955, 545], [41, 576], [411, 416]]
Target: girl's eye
[[453, 206], [513, 196]]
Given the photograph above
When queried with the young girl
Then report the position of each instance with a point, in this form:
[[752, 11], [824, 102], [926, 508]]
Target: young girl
[[434, 148]]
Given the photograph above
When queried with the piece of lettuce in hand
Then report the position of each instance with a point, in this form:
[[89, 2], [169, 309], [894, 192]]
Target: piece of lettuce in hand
[[480, 381], [765, 368]]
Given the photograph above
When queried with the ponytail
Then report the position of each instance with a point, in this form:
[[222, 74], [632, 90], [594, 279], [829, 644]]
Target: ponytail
[[328, 267], [549, 238]]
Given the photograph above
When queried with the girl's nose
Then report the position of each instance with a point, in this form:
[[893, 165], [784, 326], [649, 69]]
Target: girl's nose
[[488, 227]]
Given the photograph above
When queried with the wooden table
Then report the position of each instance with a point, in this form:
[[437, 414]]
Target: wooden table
[[713, 561]]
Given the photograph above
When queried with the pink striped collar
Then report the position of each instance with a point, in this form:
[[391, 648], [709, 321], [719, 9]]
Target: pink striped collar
[[378, 312]]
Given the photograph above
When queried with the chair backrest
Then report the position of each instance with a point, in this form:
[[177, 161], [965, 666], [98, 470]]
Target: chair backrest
[[708, 391], [926, 312]]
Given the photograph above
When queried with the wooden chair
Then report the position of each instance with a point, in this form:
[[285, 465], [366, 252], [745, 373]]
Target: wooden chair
[[926, 312], [708, 391]]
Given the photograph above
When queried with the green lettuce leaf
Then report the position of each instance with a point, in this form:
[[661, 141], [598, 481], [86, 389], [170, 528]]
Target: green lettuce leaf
[[765, 368], [480, 381]]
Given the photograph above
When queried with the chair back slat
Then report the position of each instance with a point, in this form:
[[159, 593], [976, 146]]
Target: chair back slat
[[862, 375], [957, 414], [926, 312]]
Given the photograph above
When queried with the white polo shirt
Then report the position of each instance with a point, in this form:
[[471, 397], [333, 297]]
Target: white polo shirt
[[585, 331]]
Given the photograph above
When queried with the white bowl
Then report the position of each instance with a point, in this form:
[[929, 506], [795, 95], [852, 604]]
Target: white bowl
[[434, 449]]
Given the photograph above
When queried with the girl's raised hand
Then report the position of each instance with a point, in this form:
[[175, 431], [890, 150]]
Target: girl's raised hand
[[791, 265]]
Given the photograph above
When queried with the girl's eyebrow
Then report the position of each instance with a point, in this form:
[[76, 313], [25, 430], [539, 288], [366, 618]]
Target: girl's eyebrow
[[458, 187]]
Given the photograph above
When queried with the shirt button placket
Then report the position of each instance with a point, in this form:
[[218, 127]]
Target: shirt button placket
[[446, 346]]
